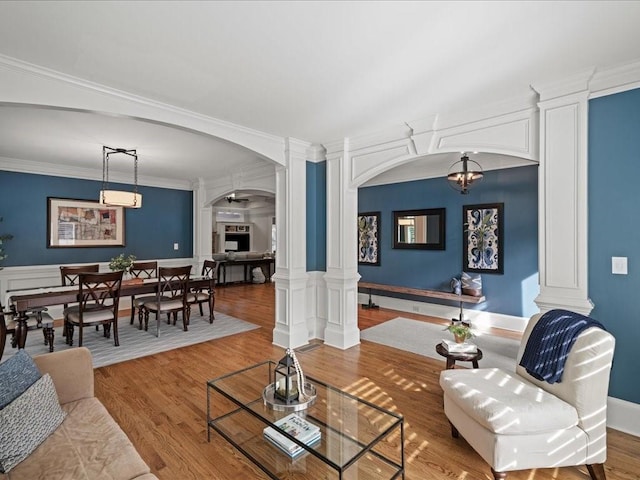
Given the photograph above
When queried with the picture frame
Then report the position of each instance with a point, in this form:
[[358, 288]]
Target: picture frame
[[73, 223], [483, 242], [369, 238]]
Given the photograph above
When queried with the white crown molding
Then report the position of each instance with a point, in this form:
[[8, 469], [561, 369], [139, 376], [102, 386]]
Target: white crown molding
[[316, 154], [561, 88], [267, 145], [615, 80], [55, 170]]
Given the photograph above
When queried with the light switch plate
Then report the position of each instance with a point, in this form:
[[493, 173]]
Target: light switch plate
[[619, 265]]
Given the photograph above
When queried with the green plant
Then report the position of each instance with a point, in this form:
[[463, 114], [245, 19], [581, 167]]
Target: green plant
[[3, 238], [460, 331], [122, 262]]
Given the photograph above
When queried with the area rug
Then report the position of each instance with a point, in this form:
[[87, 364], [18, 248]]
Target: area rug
[[422, 337], [136, 343]]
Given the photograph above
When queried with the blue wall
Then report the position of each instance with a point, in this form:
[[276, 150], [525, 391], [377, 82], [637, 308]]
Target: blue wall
[[614, 230], [316, 216], [511, 293], [166, 217]]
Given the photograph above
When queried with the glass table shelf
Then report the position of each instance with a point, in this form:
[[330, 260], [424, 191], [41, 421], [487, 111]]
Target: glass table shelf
[[359, 440]]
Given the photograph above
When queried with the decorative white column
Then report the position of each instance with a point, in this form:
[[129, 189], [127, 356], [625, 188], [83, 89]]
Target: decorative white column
[[202, 226], [291, 329], [342, 252], [562, 202]]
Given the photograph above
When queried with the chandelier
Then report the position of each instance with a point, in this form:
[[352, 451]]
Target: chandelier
[[119, 198], [461, 178]]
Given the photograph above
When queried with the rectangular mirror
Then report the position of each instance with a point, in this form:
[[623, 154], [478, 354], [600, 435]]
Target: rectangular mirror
[[419, 229]]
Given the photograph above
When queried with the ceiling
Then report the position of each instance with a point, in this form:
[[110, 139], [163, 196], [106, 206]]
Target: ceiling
[[316, 71]]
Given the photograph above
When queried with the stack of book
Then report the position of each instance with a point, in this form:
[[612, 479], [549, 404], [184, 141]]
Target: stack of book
[[453, 347], [297, 427]]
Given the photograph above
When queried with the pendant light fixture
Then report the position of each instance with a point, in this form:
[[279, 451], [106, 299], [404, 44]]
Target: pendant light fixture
[[464, 174], [119, 198]]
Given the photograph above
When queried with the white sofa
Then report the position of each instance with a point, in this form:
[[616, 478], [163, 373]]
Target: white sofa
[[516, 422]]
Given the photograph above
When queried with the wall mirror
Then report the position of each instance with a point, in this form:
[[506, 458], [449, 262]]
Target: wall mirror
[[419, 229]]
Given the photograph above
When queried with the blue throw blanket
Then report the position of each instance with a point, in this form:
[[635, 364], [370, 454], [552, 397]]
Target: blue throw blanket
[[550, 342]]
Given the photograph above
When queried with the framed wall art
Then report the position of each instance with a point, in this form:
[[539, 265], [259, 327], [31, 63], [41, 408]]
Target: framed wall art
[[83, 223], [368, 238], [483, 245]]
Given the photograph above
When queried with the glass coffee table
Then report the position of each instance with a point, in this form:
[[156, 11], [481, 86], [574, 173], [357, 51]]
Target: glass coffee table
[[358, 439]]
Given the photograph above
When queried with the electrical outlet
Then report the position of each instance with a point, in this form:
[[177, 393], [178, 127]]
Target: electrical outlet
[[416, 308], [175, 246]]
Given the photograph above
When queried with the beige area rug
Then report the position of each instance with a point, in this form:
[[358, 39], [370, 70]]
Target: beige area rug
[[136, 343], [422, 337]]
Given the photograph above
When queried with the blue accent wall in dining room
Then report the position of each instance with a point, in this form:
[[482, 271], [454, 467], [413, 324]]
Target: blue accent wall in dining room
[[166, 217]]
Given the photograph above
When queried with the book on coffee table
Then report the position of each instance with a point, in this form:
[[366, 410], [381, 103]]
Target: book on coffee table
[[453, 347], [296, 426]]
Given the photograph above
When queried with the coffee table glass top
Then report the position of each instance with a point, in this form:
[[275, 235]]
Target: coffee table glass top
[[357, 437]]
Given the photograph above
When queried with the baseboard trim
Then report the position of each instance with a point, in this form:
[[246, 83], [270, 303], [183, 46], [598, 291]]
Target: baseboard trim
[[623, 416]]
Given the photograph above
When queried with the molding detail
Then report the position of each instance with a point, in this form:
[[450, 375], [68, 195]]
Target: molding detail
[[55, 170], [49, 87]]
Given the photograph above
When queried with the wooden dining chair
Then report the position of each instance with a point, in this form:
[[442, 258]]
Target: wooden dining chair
[[99, 297], [37, 319], [171, 297], [200, 295], [69, 276], [142, 270]]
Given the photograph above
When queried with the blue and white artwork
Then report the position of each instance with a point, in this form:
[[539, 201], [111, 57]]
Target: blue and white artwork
[[368, 235], [483, 248]]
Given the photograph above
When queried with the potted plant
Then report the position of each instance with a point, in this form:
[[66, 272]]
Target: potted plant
[[461, 332], [122, 262]]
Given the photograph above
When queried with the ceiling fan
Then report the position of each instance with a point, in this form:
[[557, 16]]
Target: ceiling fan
[[232, 198]]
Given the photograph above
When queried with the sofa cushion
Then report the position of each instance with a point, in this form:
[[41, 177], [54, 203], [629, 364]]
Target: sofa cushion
[[16, 375], [88, 445], [505, 403], [28, 421]]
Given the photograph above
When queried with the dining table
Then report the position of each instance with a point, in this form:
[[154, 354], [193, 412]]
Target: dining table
[[25, 300]]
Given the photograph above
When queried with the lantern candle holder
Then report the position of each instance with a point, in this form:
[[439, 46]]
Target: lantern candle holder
[[289, 391]]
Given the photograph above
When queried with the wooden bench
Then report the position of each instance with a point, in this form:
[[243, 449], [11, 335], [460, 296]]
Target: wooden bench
[[418, 292]]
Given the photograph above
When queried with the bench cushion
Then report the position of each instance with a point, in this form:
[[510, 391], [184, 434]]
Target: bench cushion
[[505, 403]]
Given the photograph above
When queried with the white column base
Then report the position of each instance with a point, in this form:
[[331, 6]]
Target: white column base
[[342, 316], [291, 329]]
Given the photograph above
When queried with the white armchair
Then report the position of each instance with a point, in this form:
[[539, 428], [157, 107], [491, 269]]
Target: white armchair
[[516, 422]]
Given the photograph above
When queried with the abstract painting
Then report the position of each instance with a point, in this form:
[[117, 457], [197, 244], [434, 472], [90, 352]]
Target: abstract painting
[[368, 237], [483, 248]]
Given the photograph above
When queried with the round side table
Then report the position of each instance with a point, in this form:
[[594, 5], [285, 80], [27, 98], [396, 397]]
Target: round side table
[[453, 357]]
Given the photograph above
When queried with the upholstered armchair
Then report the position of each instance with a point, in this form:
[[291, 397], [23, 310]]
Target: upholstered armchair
[[517, 422]]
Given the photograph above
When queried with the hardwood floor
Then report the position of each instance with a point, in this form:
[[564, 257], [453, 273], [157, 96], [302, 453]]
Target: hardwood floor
[[160, 401]]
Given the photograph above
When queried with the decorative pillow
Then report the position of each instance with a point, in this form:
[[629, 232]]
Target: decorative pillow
[[16, 375], [471, 284], [27, 422]]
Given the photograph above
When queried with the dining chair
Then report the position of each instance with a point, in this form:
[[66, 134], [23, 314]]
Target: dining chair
[[171, 296], [98, 296], [206, 295], [36, 319], [142, 270], [69, 276]]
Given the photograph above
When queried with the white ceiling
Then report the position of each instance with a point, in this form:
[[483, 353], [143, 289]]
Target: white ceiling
[[317, 71]]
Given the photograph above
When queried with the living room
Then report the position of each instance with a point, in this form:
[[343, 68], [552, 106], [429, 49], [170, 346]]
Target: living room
[[310, 299]]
